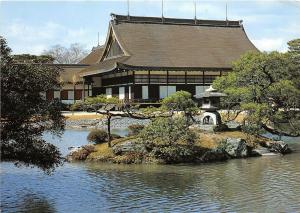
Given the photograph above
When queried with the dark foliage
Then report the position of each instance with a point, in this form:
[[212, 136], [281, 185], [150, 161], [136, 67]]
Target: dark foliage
[[266, 86], [135, 129], [25, 115], [97, 136], [26, 58], [169, 139]]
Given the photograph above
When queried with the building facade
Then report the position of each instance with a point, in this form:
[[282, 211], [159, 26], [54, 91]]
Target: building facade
[[145, 59]]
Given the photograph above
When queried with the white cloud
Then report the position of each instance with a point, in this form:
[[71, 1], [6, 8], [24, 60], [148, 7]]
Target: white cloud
[[34, 39], [33, 49], [186, 9], [19, 29], [270, 44]]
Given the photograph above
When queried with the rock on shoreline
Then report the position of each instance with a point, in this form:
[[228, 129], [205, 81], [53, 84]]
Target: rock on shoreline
[[131, 151]]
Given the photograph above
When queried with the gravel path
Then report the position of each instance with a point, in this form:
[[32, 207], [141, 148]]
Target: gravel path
[[116, 123]]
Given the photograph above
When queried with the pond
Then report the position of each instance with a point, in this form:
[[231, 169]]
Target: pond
[[263, 184]]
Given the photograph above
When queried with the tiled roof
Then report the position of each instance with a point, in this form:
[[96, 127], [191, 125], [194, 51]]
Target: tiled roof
[[177, 43]]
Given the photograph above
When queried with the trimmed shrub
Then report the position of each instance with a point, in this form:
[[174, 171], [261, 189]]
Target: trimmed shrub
[[167, 132], [135, 129], [78, 106], [97, 136], [115, 136], [170, 140]]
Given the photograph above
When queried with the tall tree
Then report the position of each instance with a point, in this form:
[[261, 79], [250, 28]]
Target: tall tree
[[63, 55], [263, 84], [25, 114], [294, 57], [181, 101], [294, 46]]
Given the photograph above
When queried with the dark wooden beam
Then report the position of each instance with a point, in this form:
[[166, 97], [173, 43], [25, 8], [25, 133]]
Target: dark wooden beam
[[133, 74], [167, 78], [83, 96]]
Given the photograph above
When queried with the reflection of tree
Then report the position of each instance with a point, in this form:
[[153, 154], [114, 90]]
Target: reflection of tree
[[36, 204]]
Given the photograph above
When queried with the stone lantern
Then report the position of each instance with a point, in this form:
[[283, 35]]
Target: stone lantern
[[210, 102]]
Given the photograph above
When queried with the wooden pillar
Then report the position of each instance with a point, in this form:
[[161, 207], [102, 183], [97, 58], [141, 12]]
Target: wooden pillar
[[167, 83], [149, 77], [83, 95], [220, 73], [133, 86], [203, 79], [133, 74], [167, 78], [74, 90], [185, 77]]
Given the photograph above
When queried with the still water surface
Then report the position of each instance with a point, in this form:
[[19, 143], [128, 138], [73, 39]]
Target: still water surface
[[265, 184]]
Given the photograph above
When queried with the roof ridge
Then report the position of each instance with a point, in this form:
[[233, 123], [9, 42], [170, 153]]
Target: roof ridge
[[173, 21]]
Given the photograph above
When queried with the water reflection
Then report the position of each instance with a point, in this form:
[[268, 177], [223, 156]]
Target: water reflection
[[36, 204], [243, 185], [27, 203], [266, 184]]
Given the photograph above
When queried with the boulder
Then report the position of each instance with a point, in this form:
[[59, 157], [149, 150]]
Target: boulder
[[233, 126], [214, 155], [130, 146], [80, 153], [236, 147], [259, 151], [89, 147], [279, 147], [220, 128]]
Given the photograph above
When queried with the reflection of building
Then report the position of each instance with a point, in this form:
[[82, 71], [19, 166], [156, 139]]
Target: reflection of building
[[149, 58], [73, 87], [210, 102]]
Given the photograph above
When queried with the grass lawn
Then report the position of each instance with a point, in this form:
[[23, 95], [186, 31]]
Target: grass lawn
[[104, 152], [75, 117], [211, 140]]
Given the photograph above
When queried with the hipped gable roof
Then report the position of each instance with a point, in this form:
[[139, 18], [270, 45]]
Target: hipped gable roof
[[174, 43]]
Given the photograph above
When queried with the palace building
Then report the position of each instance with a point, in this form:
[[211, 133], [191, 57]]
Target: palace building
[[73, 88], [145, 59]]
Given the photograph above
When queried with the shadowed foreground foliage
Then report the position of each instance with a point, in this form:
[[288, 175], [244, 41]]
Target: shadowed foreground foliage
[[25, 114]]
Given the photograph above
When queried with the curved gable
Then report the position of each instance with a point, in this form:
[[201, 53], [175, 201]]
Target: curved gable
[[182, 45], [113, 48]]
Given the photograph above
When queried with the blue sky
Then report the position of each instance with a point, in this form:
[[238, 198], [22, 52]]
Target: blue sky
[[31, 27]]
